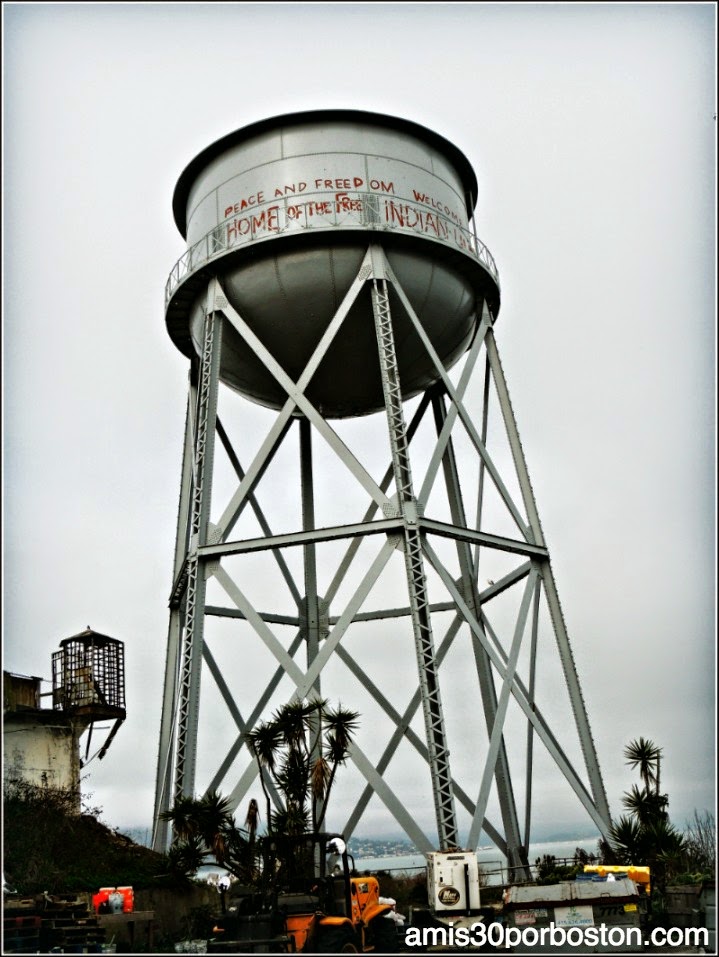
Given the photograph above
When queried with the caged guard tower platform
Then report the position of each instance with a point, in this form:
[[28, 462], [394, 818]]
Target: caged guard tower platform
[[334, 278]]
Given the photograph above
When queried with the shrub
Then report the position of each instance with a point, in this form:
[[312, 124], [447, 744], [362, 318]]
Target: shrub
[[49, 847]]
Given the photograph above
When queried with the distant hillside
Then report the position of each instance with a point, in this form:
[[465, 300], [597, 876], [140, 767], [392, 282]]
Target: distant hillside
[[140, 835]]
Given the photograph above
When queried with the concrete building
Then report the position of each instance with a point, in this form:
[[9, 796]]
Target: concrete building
[[41, 745]]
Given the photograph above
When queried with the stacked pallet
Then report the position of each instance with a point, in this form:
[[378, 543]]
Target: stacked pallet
[[21, 933], [50, 923]]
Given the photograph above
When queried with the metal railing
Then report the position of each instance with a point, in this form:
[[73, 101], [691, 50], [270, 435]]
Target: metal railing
[[325, 211]]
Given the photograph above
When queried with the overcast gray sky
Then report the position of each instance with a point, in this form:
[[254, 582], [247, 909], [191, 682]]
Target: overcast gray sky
[[592, 129]]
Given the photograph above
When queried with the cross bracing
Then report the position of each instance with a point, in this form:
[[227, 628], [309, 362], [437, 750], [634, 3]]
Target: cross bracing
[[409, 557]]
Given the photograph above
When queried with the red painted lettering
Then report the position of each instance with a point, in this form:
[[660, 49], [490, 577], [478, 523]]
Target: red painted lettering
[[412, 218], [289, 189], [343, 204], [255, 200], [379, 184]]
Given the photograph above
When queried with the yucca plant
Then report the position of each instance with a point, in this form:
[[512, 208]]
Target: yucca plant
[[298, 752], [204, 829]]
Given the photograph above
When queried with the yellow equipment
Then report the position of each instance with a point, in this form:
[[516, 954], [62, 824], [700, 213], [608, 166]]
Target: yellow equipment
[[637, 873]]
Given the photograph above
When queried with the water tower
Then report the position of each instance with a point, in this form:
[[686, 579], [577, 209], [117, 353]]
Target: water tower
[[333, 277]]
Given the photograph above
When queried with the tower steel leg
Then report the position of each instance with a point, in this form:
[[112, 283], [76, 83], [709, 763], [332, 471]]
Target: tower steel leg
[[508, 807], [311, 604], [565, 652], [189, 690], [414, 562], [165, 764], [310, 615]]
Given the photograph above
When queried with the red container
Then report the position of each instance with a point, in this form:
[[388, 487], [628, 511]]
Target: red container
[[128, 899], [101, 897]]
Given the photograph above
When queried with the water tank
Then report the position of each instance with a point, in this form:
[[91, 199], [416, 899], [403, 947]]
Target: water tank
[[282, 213]]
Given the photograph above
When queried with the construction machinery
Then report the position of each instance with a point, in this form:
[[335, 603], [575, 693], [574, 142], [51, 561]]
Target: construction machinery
[[453, 891], [453, 882], [306, 901]]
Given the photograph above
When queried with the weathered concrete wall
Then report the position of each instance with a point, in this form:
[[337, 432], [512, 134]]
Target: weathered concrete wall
[[174, 910], [45, 753]]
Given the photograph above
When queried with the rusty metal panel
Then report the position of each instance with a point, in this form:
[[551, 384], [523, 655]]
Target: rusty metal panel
[[20, 692]]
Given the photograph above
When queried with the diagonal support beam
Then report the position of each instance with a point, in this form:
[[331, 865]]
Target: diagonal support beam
[[565, 652], [234, 711], [251, 721], [404, 731], [255, 505], [531, 702], [256, 470], [295, 392], [496, 740], [463, 414], [351, 552], [436, 458], [560, 759], [390, 800], [291, 668]]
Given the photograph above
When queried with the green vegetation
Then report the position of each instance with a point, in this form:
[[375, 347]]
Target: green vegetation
[[205, 831], [49, 846], [699, 850], [551, 871], [299, 751], [645, 835]]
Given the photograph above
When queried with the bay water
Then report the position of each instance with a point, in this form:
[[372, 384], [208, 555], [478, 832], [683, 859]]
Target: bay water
[[491, 860]]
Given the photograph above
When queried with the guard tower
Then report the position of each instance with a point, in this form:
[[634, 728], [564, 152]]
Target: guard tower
[[42, 744], [352, 533], [88, 682]]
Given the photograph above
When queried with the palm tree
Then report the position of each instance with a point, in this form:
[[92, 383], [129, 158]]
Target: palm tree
[[265, 741], [299, 751], [320, 776], [627, 840], [645, 755], [182, 817], [341, 726], [205, 828], [292, 778], [186, 857], [647, 836], [214, 821], [646, 806]]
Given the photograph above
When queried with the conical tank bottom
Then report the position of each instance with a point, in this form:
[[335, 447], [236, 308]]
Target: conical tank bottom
[[289, 299]]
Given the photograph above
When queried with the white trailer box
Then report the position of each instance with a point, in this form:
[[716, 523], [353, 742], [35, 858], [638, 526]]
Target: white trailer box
[[453, 881]]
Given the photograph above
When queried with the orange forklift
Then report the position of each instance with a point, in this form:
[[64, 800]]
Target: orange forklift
[[307, 901]]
